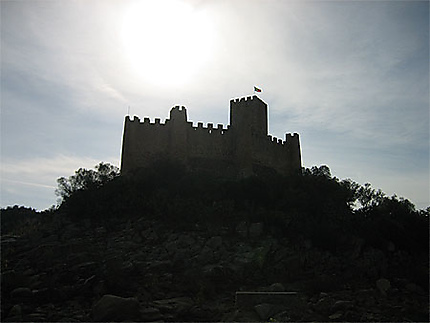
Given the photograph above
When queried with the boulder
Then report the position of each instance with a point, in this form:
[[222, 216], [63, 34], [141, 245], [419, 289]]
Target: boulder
[[383, 285], [414, 288], [15, 313], [116, 309], [151, 314], [22, 295], [214, 243], [178, 305], [265, 311], [342, 305], [256, 230], [276, 287], [242, 229]]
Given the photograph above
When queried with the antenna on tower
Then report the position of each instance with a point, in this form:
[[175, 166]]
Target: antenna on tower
[[128, 110]]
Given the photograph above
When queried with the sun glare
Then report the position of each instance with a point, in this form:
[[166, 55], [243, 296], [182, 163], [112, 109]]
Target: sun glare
[[166, 42]]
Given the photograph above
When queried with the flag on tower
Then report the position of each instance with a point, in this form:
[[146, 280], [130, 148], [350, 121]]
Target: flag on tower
[[256, 89]]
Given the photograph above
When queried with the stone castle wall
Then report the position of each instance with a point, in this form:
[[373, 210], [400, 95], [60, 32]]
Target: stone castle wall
[[239, 149]]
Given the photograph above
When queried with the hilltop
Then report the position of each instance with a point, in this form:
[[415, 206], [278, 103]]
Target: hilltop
[[164, 244]]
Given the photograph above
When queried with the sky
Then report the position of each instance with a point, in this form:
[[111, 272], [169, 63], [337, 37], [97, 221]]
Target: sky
[[352, 78]]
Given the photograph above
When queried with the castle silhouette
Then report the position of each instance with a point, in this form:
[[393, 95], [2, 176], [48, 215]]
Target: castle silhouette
[[242, 149]]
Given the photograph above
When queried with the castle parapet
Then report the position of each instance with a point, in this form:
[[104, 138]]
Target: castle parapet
[[178, 113], [292, 137], [135, 118], [244, 99]]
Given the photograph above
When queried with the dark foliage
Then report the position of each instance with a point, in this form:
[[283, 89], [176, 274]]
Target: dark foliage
[[14, 217], [85, 180], [312, 206]]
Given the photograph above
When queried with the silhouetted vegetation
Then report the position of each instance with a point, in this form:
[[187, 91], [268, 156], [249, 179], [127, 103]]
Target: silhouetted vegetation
[[86, 180], [163, 231], [314, 205]]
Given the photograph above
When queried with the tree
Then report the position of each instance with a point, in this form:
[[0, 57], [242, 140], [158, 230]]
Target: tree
[[85, 179]]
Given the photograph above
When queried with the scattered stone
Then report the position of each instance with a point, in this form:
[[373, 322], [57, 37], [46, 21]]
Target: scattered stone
[[383, 285], [59, 281], [150, 314], [342, 305], [250, 299], [117, 309], [391, 246], [414, 288], [15, 312], [256, 230], [276, 287], [335, 316], [242, 229], [178, 305], [214, 243], [22, 295], [264, 311], [324, 304]]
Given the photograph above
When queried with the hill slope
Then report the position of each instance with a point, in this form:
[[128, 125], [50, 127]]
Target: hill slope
[[176, 246]]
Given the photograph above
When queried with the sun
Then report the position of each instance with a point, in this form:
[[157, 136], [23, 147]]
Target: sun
[[166, 41]]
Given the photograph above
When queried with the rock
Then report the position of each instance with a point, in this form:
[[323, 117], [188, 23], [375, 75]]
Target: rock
[[185, 241], [42, 295], [256, 230], [15, 312], [414, 288], [22, 295], [178, 305], [383, 285], [342, 305], [149, 234], [324, 304], [264, 311], [9, 280], [335, 316], [242, 229], [365, 296], [150, 314], [117, 309], [391, 246], [276, 287], [214, 243]]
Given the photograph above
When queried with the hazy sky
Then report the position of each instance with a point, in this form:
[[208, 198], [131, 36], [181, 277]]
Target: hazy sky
[[352, 78]]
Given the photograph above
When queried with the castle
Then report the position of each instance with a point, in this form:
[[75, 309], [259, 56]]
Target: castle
[[242, 149]]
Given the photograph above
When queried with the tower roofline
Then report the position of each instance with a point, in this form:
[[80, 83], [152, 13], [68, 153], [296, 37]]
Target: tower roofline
[[246, 98]]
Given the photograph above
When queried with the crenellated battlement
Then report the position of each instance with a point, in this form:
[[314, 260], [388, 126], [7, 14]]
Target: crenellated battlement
[[245, 99], [210, 129], [145, 122], [237, 149]]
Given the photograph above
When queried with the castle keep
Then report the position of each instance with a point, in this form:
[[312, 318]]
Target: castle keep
[[241, 149]]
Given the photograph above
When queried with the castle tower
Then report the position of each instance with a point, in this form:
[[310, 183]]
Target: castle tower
[[248, 122], [294, 158], [249, 115], [178, 134]]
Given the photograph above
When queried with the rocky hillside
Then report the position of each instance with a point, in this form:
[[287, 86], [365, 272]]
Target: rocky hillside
[[173, 254]]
